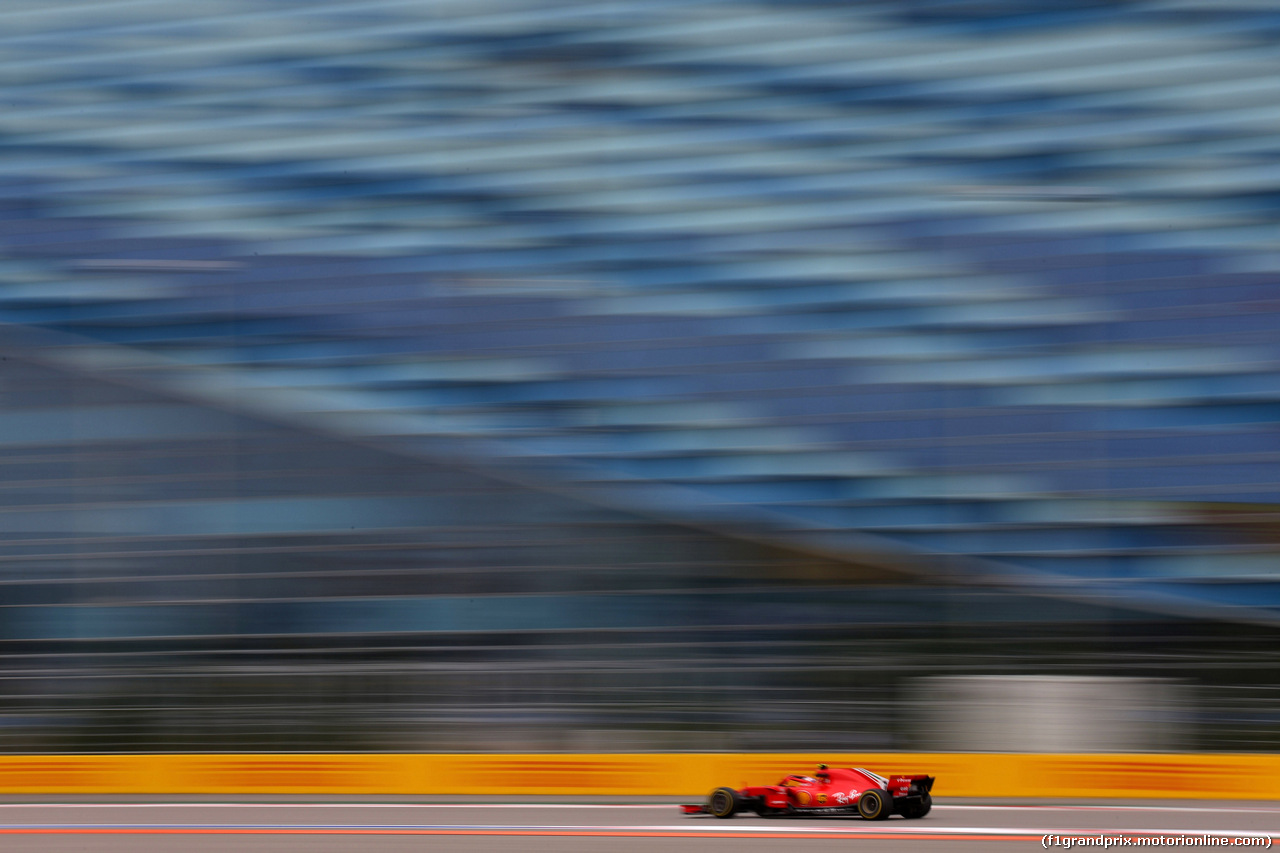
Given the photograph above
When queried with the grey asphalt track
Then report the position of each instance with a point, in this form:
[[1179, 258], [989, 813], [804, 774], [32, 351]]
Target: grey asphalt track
[[386, 827]]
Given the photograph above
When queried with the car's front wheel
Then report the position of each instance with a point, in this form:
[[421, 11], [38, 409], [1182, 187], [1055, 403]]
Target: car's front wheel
[[724, 802]]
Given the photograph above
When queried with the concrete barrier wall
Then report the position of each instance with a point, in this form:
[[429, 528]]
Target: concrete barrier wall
[[678, 775]]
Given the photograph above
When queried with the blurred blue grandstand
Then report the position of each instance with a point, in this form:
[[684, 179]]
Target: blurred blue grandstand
[[547, 349]]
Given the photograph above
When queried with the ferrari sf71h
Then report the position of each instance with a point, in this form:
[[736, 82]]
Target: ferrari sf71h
[[830, 791]]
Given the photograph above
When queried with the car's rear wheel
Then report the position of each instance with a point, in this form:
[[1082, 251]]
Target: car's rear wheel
[[874, 804], [918, 809], [724, 802]]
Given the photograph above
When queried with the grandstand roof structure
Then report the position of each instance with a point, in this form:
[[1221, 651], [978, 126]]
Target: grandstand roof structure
[[976, 290]]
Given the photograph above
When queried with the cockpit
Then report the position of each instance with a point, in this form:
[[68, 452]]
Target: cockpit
[[798, 781]]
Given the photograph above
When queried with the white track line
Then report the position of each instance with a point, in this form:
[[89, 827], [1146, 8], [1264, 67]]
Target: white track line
[[495, 826], [1116, 808], [718, 829]]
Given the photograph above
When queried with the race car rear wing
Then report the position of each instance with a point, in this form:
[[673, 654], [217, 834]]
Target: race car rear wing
[[915, 785]]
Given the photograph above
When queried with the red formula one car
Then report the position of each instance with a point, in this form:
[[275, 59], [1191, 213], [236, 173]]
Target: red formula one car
[[834, 791]]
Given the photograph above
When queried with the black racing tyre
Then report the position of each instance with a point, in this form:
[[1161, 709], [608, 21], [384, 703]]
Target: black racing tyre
[[874, 804], [724, 802]]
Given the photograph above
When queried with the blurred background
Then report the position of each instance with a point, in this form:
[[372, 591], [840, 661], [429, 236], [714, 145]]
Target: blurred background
[[701, 375]]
